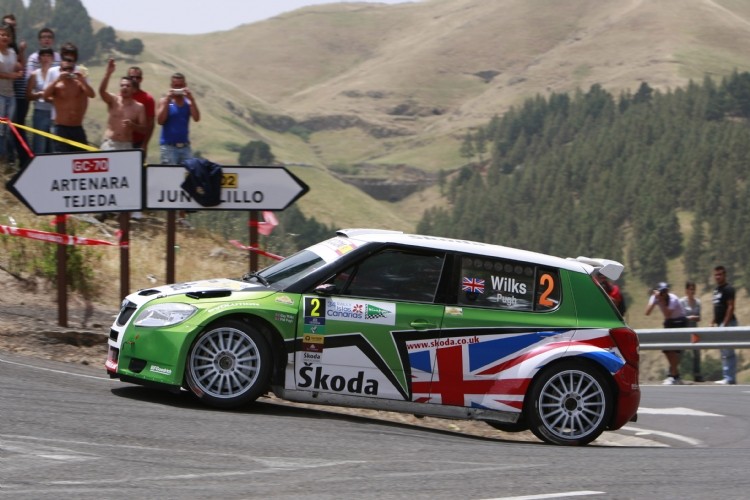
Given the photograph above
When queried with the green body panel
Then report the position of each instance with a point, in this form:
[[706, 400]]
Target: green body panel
[[166, 348], [594, 308]]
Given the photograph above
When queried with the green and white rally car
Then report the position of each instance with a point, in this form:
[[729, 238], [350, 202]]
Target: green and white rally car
[[398, 322]]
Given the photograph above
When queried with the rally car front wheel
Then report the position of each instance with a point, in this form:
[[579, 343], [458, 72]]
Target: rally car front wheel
[[570, 404], [229, 364]]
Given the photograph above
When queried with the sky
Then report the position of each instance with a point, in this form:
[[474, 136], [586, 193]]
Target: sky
[[193, 16]]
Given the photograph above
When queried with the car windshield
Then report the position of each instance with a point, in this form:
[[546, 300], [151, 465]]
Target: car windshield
[[292, 269]]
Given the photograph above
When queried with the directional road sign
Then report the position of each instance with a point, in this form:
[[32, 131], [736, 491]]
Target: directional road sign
[[86, 182], [243, 188]]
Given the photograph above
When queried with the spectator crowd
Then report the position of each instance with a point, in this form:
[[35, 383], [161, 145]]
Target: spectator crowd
[[58, 90]]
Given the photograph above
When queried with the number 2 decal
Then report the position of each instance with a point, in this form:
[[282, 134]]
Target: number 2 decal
[[548, 281], [314, 307]]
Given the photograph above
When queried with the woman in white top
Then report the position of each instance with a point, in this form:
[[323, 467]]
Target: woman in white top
[[674, 317], [42, 118]]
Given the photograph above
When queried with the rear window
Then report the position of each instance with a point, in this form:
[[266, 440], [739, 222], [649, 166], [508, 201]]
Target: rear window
[[504, 284]]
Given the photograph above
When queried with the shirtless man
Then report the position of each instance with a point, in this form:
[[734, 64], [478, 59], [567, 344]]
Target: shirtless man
[[69, 94], [126, 115]]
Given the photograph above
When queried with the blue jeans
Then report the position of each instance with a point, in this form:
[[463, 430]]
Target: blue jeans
[[172, 155], [42, 120], [729, 361], [7, 106]]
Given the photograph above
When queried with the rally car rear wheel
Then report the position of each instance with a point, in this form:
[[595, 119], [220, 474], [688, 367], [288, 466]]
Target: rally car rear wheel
[[570, 404], [229, 364]]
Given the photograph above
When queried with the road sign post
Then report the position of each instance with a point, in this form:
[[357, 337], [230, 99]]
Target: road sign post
[[249, 188], [85, 182], [115, 181]]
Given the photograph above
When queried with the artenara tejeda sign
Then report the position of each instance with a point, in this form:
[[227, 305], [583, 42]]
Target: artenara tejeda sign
[[86, 182], [243, 188]]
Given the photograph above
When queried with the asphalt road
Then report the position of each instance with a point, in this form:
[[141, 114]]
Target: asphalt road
[[67, 431]]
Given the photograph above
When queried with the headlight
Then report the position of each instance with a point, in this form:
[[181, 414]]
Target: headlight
[[169, 313]]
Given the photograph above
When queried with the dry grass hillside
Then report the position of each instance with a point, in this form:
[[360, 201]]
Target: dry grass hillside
[[372, 84]]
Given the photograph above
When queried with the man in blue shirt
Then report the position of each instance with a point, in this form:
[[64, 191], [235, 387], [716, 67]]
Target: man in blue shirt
[[174, 114]]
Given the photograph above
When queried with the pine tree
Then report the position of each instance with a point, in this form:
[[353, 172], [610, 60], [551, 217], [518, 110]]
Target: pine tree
[[38, 15], [71, 23], [256, 153], [467, 147]]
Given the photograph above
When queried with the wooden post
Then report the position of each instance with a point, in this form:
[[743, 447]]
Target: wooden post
[[171, 240], [124, 254], [62, 274], [253, 226]]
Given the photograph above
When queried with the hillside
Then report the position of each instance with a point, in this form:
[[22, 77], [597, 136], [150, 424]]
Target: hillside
[[361, 84]]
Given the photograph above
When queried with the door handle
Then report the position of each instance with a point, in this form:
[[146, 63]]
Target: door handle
[[420, 324]]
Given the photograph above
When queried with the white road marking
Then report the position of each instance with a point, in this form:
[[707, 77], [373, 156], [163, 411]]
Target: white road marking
[[55, 371], [291, 466], [676, 411], [33, 449], [562, 494], [670, 435]]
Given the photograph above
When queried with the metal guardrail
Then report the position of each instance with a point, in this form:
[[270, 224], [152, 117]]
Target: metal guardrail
[[729, 337]]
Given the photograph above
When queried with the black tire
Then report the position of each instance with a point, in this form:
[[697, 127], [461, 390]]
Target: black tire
[[519, 426], [229, 364], [570, 404]]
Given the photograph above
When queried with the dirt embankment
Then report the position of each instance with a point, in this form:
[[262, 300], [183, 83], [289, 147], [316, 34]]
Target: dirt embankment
[[29, 323]]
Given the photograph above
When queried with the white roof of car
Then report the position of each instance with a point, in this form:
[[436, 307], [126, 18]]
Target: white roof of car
[[609, 268]]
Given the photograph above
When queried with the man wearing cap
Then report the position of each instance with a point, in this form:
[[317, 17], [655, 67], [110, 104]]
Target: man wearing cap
[[674, 317]]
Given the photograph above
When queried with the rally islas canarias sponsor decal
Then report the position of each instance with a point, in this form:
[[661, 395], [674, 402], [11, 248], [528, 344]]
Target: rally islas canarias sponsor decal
[[382, 313]]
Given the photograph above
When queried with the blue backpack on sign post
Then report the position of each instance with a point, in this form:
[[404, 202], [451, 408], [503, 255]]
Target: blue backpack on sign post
[[203, 182]]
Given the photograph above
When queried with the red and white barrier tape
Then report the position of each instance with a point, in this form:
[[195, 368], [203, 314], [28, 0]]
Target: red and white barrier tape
[[61, 239], [256, 250], [266, 226]]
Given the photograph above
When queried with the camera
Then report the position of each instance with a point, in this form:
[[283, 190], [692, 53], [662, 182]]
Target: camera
[[178, 92]]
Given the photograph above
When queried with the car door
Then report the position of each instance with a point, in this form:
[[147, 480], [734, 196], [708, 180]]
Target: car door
[[352, 335], [503, 313]]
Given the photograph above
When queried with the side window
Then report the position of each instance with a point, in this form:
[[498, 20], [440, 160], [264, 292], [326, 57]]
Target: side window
[[503, 284], [393, 275]]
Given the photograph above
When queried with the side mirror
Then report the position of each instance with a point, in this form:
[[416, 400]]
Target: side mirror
[[326, 289]]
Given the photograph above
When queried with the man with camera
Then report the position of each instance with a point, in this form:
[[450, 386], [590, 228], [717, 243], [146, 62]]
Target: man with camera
[[174, 114], [69, 93], [674, 317]]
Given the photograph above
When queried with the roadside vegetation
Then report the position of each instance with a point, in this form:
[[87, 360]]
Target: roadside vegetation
[[643, 178]]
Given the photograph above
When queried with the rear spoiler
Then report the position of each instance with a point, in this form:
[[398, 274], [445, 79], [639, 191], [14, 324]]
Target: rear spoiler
[[352, 232], [608, 268]]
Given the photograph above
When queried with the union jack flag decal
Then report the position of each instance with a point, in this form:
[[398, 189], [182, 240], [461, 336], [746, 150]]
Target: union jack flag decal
[[474, 285], [494, 371]]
